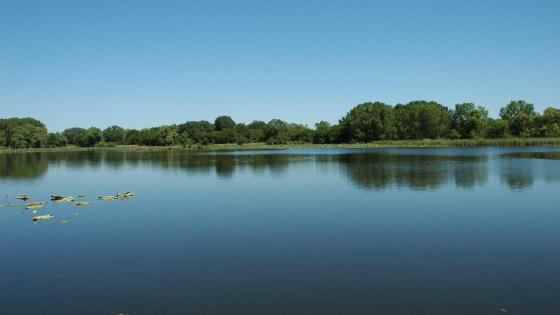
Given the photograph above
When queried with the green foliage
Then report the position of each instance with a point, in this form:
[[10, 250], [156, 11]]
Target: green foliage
[[224, 122], [274, 127], [548, 124], [368, 122], [520, 116], [468, 121], [22, 133], [114, 134], [326, 133], [73, 134], [92, 136], [422, 119], [497, 128], [56, 139], [133, 136]]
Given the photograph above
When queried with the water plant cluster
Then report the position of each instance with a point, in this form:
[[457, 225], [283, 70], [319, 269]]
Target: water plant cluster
[[367, 122], [35, 207]]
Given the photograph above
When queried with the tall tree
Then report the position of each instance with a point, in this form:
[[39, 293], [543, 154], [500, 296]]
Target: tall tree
[[114, 134], [469, 121], [368, 122], [422, 119], [224, 122], [520, 115]]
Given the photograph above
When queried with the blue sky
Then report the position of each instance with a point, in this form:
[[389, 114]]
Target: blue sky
[[145, 63]]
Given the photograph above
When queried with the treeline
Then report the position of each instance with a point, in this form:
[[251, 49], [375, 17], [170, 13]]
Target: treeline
[[366, 122]]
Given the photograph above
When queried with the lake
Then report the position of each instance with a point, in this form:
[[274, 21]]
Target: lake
[[308, 231]]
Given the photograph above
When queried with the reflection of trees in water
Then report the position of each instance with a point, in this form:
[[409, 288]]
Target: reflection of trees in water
[[29, 165], [378, 171], [366, 170], [517, 173]]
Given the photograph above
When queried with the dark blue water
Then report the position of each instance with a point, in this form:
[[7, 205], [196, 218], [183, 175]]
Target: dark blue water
[[392, 231]]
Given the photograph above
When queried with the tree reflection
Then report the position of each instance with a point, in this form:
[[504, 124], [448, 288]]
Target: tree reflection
[[367, 170], [378, 171]]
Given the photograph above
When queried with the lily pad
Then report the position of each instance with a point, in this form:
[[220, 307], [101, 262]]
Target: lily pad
[[42, 217], [108, 197], [61, 198], [35, 205]]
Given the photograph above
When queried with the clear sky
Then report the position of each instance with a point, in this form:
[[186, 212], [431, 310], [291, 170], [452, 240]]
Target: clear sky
[[145, 63]]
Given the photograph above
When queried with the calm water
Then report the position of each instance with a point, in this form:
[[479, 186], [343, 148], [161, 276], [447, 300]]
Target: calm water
[[392, 231]]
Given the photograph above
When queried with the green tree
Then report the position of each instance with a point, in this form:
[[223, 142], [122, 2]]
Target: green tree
[[368, 122], [73, 134], [497, 128], [422, 119], [520, 116], [223, 123], [274, 127], [325, 133], [114, 134], [196, 131], [28, 136], [92, 137], [548, 124], [133, 136], [22, 132], [469, 121], [56, 139]]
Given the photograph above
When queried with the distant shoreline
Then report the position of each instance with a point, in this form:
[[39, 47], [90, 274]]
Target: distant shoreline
[[426, 143]]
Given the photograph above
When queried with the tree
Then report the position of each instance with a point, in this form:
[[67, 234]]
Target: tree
[[299, 133], [22, 132], [548, 124], [469, 121], [223, 123], [368, 122], [92, 137], [167, 135], [325, 133], [520, 116], [114, 134], [275, 127], [56, 139], [28, 136], [133, 136], [197, 131], [73, 134], [497, 128], [422, 119]]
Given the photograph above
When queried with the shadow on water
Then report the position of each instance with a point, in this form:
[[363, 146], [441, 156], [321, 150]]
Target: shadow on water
[[366, 170]]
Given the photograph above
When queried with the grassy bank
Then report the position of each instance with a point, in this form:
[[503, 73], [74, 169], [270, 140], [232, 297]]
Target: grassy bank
[[426, 143]]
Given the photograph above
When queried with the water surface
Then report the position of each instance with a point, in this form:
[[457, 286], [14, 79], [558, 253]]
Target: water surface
[[311, 231]]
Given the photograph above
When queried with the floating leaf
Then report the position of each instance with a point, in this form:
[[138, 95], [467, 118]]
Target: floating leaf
[[42, 217], [82, 203], [23, 197], [61, 198], [128, 194], [108, 197], [35, 205], [34, 211]]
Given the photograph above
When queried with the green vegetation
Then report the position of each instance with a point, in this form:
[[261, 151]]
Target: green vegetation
[[418, 123]]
